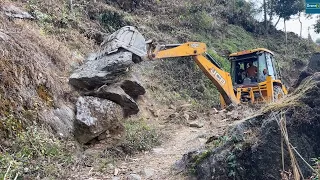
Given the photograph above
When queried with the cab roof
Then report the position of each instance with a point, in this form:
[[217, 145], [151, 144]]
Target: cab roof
[[250, 52]]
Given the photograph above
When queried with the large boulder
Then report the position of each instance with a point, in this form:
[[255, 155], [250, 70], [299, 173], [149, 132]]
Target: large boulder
[[254, 151], [314, 62], [95, 116], [132, 87], [99, 71], [15, 12], [116, 94], [313, 66]]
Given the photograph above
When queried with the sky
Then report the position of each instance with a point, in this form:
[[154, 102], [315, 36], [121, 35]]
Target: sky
[[293, 25]]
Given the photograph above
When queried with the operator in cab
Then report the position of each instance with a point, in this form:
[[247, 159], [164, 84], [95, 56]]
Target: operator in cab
[[239, 73], [263, 75], [252, 71]]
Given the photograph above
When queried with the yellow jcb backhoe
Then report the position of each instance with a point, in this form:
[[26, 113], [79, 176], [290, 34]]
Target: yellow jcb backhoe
[[253, 77]]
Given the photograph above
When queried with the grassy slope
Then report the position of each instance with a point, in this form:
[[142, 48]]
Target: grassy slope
[[62, 39]]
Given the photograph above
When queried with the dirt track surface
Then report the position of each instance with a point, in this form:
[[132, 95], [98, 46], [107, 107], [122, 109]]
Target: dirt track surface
[[161, 159], [159, 163]]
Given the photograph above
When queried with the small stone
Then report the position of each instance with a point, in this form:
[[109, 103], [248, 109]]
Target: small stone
[[155, 113], [229, 113], [186, 116], [110, 166], [174, 115], [148, 172], [6, 143], [116, 171], [202, 141], [172, 107], [157, 150], [133, 177], [196, 124], [183, 107], [222, 111]]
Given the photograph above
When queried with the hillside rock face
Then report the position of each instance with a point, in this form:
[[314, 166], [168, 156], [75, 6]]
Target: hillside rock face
[[15, 12], [95, 116], [61, 119], [254, 148], [313, 66]]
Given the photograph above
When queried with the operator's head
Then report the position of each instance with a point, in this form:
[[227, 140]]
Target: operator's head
[[250, 63], [265, 71]]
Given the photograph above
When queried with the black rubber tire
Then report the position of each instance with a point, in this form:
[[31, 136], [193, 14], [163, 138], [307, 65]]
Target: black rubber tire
[[277, 93]]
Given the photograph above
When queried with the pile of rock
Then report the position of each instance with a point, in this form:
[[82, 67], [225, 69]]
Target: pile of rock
[[109, 91]]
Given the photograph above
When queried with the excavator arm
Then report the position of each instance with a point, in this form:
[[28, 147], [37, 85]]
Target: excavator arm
[[132, 40], [220, 78]]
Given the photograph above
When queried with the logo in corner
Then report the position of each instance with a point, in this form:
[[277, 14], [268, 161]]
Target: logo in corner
[[194, 45]]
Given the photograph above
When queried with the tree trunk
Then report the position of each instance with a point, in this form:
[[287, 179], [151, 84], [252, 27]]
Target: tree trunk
[[265, 16], [277, 22], [300, 24], [271, 10], [286, 40], [71, 6], [233, 7]]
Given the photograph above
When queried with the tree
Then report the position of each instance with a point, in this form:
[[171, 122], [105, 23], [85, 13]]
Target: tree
[[265, 16], [287, 8], [317, 25]]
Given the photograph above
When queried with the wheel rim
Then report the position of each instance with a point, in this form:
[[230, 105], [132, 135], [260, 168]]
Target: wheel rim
[[278, 93]]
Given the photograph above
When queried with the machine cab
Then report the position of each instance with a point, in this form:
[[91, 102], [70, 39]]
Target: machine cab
[[251, 67]]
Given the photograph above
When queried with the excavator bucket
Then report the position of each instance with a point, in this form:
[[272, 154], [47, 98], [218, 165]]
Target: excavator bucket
[[128, 38]]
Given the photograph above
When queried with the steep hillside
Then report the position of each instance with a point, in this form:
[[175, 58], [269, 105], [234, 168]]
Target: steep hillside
[[40, 50]]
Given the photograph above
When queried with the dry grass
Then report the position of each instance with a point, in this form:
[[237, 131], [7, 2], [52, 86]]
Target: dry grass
[[33, 57], [30, 60], [291, 100]]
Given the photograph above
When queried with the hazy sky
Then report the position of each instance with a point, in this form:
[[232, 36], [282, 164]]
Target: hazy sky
[[293, 25]]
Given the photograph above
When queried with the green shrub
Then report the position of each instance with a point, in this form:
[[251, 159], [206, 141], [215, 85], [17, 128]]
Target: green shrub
[[184, 77], [221, 60], [139, 137], [35, 153], [197, 18], [112, 20]]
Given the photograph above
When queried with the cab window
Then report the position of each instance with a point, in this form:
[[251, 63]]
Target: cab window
[[270, 67], [262, 67]]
